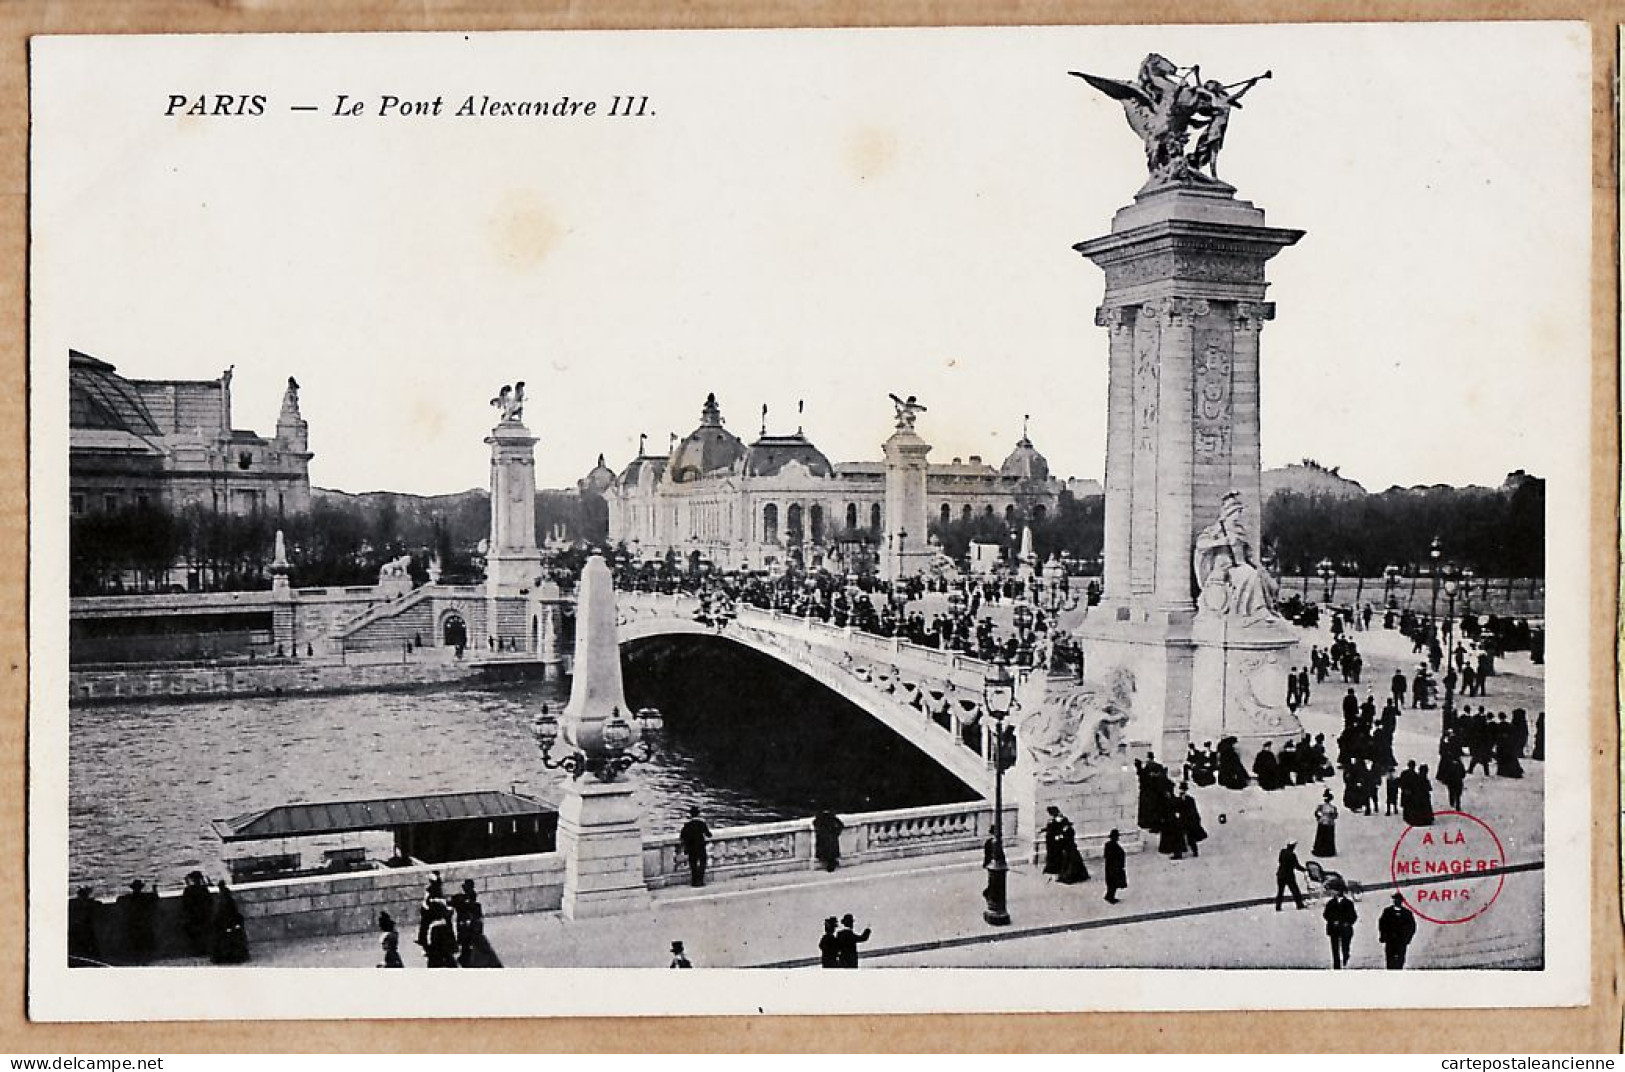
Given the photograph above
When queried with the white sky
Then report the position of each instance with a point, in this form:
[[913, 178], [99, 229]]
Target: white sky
[[825, 216]]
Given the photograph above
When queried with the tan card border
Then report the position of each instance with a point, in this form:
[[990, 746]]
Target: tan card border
[[1596, 1027]]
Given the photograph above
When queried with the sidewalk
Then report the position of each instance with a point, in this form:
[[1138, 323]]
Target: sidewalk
[[927, 911]]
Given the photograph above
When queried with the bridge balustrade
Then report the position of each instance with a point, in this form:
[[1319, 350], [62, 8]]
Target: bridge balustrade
[[787, 847]]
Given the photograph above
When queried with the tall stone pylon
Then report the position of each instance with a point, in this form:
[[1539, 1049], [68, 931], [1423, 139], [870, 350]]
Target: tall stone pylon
[[512, 560], [1184, 306], [598, 829], [908, 543]]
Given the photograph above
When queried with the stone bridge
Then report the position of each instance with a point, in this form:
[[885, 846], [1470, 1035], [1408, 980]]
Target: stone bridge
[[930, 698]]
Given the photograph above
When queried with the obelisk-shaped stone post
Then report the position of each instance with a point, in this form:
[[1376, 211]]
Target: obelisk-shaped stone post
[[598, 820]]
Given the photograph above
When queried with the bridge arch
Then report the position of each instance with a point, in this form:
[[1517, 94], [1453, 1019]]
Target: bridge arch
[[907, 722]]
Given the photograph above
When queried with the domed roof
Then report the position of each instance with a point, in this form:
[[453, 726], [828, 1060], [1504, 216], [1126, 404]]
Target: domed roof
[[1025, 463], [100, 398], [629, 476], [770, 454], [598, 478], [706, 449]]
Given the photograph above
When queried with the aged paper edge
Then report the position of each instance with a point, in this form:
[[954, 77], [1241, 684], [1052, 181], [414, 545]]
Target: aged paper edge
[[1594, 1027]]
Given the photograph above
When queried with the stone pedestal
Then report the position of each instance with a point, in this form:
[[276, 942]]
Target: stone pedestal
[[1072, 753], [1184, 306], [603, 850], [1238, 679], [908, 539]]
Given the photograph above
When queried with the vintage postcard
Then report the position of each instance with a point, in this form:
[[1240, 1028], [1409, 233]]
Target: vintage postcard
[[1051, 518]]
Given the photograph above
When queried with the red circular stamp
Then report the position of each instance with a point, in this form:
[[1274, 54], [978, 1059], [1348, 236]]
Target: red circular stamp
[[1440, 869]]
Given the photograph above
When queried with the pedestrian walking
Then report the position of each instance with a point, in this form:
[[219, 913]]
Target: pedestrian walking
[[440, 941], [679, 959], [230, 943], [1325, 828], [847, 940], [197, 910], [1340, 916], [1287, 867], [1116, 867], [1190, 820], [829, 946], [693, 837], [389, 940], [1395, 929]]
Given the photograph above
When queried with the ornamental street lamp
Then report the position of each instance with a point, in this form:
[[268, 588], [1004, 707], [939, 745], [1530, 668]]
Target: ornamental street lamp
[[1328, 575], [1449, 655], [615, 756], [999, 697], [1433, 553], [1390, 581]]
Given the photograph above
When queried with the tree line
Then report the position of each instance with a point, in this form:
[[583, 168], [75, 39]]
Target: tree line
[[345, 539], [342, 540]]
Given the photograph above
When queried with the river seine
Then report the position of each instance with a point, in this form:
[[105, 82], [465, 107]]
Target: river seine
[[747, 740]]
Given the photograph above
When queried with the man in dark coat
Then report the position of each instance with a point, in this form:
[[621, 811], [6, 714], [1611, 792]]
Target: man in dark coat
[[1190, 819], [1116, 869], [136, 910], [197, 910], [829, 947], [1265, 768], [827, 827], [82, 912], [1286, 877], [1340, 916], [693, 837], [846, 943], [1395, 929]]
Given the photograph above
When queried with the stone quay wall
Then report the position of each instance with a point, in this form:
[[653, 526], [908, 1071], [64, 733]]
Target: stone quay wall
[[391, 670], [321, 905]]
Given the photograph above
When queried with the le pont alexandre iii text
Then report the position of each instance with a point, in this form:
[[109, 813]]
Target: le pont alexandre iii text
[[389, 106]]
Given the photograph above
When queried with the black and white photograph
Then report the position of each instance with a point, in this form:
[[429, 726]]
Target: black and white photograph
[[1053, 518]]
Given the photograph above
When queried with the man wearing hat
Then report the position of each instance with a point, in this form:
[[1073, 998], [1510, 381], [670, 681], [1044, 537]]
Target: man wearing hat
[[1286, 878], [1395, 929], [678, 958], [136, 911], [1340, 916], [1116, 869]]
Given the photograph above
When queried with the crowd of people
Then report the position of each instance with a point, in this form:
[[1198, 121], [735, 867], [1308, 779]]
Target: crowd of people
[[1167, 811], [208, 922], [887, 609], [451, 931]]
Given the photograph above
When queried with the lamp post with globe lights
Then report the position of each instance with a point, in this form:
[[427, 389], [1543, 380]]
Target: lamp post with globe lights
[[999, 699], [614, 756], [1328, 576]]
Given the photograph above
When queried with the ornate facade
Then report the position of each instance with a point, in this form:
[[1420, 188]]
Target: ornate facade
[[170, 443], [779, 499]]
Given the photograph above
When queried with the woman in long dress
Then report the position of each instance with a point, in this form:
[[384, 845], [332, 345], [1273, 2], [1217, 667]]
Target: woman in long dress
[[1070, 868], [230, 944], [389, 940], [1325, 828]]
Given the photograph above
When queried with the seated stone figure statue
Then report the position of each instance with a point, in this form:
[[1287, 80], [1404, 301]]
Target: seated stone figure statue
[[1230, 579]]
